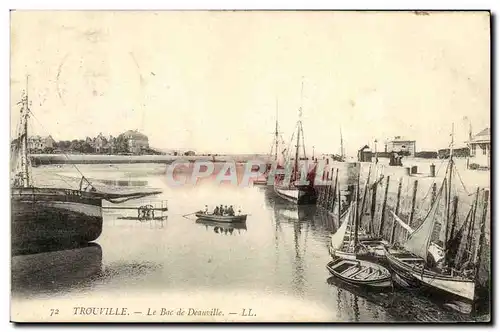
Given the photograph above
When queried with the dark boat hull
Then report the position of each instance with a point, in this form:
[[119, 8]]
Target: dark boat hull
[[454, 290], [53, 217], [303, 195]]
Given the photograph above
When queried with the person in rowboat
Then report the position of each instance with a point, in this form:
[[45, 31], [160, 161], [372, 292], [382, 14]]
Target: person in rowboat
[[216, 211], [231, 211], [221, 210], [206, 209]]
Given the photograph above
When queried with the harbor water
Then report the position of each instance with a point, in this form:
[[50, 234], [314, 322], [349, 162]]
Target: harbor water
[[274, 264]]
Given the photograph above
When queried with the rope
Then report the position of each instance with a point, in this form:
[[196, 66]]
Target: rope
[[428, 191], [64, 153], [463, 185], [62, 178]]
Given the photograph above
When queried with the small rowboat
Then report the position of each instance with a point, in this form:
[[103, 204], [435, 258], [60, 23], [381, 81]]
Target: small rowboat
[[219, 218], [360, 273]]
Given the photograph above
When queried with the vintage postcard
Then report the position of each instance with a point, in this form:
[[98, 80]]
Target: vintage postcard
[[250, 166]]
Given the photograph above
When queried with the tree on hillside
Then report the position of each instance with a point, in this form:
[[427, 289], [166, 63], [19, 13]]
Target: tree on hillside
[[121, 144]]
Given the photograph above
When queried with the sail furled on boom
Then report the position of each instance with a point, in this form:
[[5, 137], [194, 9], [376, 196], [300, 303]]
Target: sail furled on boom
[[418, 241]]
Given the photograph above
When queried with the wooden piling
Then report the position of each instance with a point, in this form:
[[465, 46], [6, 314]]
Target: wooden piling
[[332, 206], [325, 195], [362, 209], [472, 223], [328, 194], [321, 195], [384, 203], [374, 203], [480, 247], [356, 212], [434, 193], [398, 198], [339, 204], [413, 200], [451, 229]]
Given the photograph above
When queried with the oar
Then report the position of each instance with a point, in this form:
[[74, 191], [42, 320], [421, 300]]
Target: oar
[[189, 214]]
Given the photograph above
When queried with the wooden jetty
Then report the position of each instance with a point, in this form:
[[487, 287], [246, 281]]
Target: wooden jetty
[[145, 211]]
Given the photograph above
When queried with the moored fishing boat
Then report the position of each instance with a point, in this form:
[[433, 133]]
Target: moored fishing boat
[[360, 272], [296, 191], [348, 254], [44, 217], [263, 180], [446, 265], [351, 241], [300, 195]]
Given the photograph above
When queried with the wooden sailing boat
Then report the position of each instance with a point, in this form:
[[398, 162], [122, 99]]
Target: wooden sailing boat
[[450, 272], [369, 245], [296, 192], [341, 157], [273, 155], [48, 217], [346, 251]]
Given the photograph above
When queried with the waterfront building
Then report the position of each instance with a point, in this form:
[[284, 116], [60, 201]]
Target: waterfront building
[[365, 154], [401, 146], [480, 150]]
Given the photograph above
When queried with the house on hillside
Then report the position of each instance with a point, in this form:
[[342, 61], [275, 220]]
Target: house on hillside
[[99, 143], [136, 141], [39, 143], [480, 150]]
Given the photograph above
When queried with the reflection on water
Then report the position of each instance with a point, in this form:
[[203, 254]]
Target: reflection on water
[[281, 249], [146, 220], [234, 228], [56, 270], [129, 270], [400, 304], [122, 183]]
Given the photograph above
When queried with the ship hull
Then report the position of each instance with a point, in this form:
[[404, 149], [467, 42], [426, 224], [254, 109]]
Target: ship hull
[[297, 195], [455, 289], [53, 217]]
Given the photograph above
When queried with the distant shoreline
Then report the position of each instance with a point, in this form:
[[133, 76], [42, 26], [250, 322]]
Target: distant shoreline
[[50, 159]]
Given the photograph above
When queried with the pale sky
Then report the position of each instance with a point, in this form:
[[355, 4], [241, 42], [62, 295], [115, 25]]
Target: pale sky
[[209, 81]]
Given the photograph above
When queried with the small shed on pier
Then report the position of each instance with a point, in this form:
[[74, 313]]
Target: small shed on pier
[[365, 154]]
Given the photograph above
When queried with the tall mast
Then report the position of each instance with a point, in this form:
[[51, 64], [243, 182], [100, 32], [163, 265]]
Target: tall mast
[[25, 177], [448, 189], [276, 133], [450, 172], [297, 146], [299, 127], [341, 144]]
